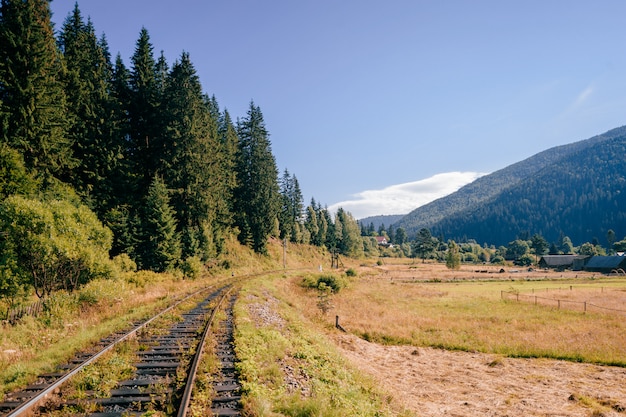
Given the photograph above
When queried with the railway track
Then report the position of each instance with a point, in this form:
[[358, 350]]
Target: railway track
[[169, 348]]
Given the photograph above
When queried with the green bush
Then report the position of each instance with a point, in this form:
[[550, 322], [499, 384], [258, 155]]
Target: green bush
[[124, 263], [322, 281], [141, 278], [59, 307], [524, 260], [351, 272], [192, 267], [43, 237]]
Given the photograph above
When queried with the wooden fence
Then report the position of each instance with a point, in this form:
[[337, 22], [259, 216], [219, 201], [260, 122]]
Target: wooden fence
[[583, 306], [14, 314]]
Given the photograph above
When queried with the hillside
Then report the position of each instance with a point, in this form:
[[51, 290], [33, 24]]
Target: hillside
[[582, 195], [377, 221], [475, 209]]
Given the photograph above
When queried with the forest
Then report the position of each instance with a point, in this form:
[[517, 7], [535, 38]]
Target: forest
[[106, 166]]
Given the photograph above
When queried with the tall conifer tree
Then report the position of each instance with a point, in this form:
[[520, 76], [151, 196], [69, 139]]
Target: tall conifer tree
[[92, 130], [257, 199], [144, 117], [31, 92], [190, 158], [230, 155], [160, 245]]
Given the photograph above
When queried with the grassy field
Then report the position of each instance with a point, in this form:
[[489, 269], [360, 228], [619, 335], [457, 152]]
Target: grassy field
[[468, 312]]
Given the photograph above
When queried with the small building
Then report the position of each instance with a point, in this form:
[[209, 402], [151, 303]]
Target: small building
[[556, 261], [606, 264], [574, 262], [382, 240]]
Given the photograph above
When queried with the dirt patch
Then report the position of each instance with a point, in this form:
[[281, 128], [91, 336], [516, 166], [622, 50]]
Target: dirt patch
[[433, 382]]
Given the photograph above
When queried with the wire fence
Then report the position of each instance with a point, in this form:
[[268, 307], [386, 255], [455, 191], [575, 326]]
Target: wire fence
[[559, 303]]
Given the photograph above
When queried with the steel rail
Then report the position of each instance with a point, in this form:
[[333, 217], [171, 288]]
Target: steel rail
[[193, 370], [27, 406]]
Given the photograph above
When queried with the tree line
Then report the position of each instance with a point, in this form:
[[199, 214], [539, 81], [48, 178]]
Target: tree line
[[99, 160]]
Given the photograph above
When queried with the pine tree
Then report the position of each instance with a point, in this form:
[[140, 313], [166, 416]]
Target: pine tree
[[453, 257], [92, 130], [31, 93], [189, 160], [349, 242], [257, 198], [143, 112], [228, 167], [124, 179], [160, 246]]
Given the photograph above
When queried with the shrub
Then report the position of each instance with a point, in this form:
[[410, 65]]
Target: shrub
[[335, 283], [58, 307], [124, 263], [351, 272], [524, 260], [497, 260], [141, 278], [192, 267]]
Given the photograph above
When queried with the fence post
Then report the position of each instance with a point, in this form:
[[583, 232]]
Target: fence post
[[585, 306], [559, 304]]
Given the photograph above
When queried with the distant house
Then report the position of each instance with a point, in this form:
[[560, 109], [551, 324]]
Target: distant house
[[382, 240], [562, 261], [556, 261], [606, 264]]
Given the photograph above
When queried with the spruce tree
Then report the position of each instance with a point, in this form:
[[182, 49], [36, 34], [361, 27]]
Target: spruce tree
[[189, 159], [125, 178], [92, 130], [229, 144], [348, 234], [160, 245], [33, 101], [257, 198], [312, 225], [143, 112], [291, 211], [285, 217]]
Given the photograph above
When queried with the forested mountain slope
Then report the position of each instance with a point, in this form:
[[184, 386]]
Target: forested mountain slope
[[582, 195], [474, 197]]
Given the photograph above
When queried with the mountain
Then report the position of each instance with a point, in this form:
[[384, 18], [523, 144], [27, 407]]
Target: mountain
[[377, 221], [577, 189]]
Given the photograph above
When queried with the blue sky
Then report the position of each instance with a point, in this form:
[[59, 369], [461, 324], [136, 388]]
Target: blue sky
[[379, 107]]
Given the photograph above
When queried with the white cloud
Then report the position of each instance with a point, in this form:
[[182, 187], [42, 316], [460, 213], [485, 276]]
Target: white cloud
[[404, 198], [582, 97]]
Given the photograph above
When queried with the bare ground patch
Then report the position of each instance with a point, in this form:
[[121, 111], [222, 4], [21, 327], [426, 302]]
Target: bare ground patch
[[434, 382]]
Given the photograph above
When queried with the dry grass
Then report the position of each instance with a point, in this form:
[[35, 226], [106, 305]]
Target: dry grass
[[464, 310]]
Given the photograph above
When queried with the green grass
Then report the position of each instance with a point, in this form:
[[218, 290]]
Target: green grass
[[289, 368]]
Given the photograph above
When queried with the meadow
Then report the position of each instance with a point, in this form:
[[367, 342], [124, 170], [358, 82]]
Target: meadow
[[479, 311], [441, 342]]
